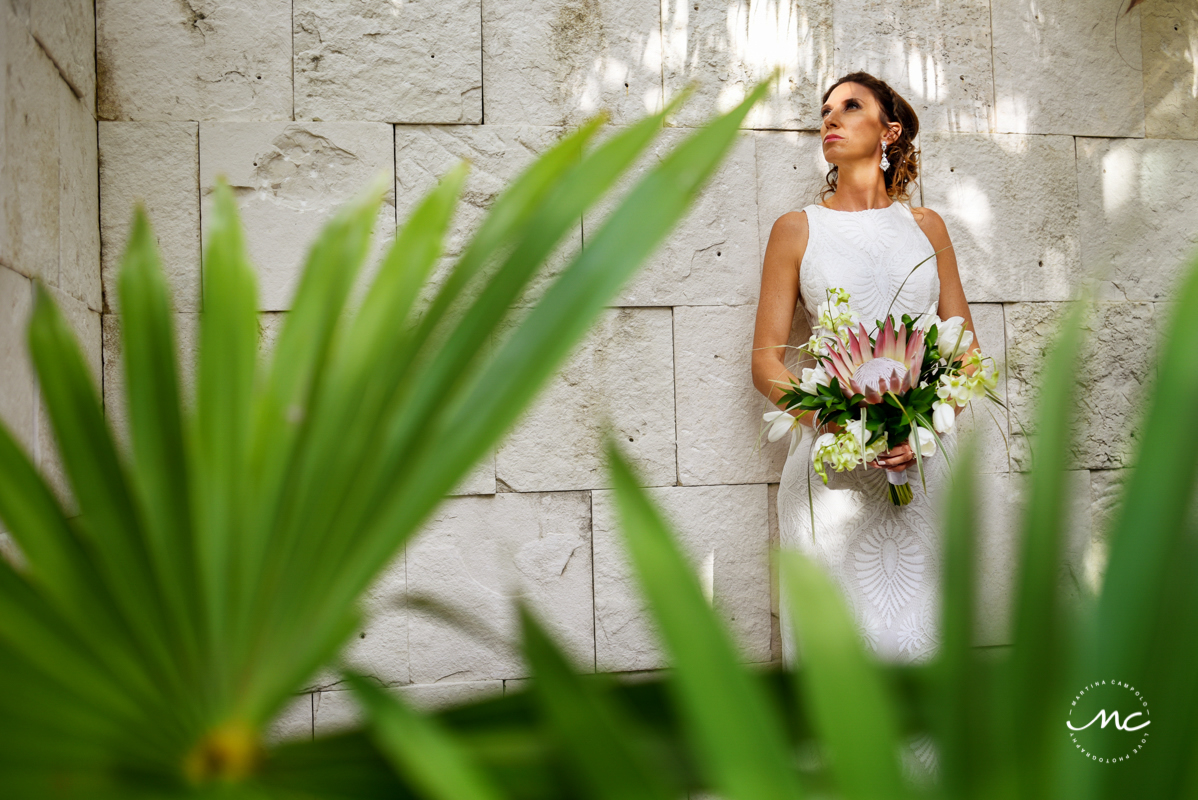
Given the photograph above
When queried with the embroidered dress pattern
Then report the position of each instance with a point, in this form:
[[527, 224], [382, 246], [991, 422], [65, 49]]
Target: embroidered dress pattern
[[884, 558]]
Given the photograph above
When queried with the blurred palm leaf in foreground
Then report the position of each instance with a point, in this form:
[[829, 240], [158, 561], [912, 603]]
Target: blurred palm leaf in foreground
[[216, 565]]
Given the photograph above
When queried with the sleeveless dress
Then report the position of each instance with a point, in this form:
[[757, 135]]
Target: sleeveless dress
[[884, 558]]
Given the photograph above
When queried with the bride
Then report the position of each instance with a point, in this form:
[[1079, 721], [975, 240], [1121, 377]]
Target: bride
[[863, 237]]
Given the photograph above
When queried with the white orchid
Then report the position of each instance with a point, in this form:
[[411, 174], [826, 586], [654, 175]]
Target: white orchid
[[955, 386], [834, 317], [824, 448], [860, 433], [943, 417], [983, 379], [813, 377], [817, 345], [947, 338]]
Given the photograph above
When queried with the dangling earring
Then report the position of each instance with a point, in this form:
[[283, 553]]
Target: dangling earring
[[885, 163]]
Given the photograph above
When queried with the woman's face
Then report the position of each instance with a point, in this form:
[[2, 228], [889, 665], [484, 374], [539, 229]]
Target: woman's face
[[852, 125]]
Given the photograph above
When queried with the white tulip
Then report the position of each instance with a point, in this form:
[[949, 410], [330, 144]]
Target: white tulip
[[948, 332], [943, 417], [927, 441], [813, 377]]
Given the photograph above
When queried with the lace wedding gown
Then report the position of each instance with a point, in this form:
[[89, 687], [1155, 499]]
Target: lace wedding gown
[[884, 558]]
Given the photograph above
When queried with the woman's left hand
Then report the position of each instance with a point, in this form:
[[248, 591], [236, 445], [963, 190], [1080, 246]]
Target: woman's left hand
[[895, 460]]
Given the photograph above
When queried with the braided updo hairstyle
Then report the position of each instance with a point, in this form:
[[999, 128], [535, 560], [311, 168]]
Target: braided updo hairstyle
[[901, 153]]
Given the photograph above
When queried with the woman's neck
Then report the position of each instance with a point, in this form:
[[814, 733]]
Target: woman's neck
[[859, 191]]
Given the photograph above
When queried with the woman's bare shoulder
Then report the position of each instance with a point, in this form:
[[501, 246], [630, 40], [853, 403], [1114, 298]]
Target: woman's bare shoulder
[[791, 232], [931, 222]]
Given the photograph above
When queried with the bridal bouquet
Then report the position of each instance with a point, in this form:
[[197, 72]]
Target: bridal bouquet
[[901, 386]]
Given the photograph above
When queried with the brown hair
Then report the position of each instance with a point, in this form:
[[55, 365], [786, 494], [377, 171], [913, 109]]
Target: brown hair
[[901, 153]]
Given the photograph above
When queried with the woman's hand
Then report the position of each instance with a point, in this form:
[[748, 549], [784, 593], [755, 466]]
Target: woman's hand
[[895, 460]]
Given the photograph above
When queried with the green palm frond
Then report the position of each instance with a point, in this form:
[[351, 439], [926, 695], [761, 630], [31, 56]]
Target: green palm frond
[[216, 564]]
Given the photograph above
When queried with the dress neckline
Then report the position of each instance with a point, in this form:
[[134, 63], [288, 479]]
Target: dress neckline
[[862, 211]]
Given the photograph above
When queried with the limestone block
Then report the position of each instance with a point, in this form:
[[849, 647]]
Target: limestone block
[[729, 48], [29, 182], [1168, 30], [1011, 207], [981, 417], [1106, 501], [498, 154], [1068, 67], [936, 56], [1116, 370], [289, 179], [718, 407], [193, 60], [157, 164], [724, 533], [557, 62], [391, 62], [187, 349], [18, 389], [337, 710], [1107, 495], [66, 30], [430, 697], [5, 181], [790, 173], [621, 374], [85, 325], [294, 721], [334, 711], [79, 202], [712, 256], [477, 555], [999, 542], [380, 650], [1138, 204], [771, 507]]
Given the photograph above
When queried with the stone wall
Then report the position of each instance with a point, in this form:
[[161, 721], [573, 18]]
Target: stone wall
[[1058, 140], [49, 202]]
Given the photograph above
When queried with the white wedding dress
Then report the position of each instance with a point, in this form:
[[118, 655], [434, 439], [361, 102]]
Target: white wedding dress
[[884, 558]]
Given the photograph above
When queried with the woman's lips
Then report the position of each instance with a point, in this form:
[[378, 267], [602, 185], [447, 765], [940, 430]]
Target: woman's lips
[[831, 138]]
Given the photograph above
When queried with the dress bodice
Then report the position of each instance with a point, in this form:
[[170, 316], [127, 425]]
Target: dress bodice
[[869, 254]]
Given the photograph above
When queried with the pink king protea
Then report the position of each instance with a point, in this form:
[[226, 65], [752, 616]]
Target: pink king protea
[[893, 366]]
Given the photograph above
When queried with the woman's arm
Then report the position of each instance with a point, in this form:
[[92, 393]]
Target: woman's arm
[[952, 295], [776, 308]]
